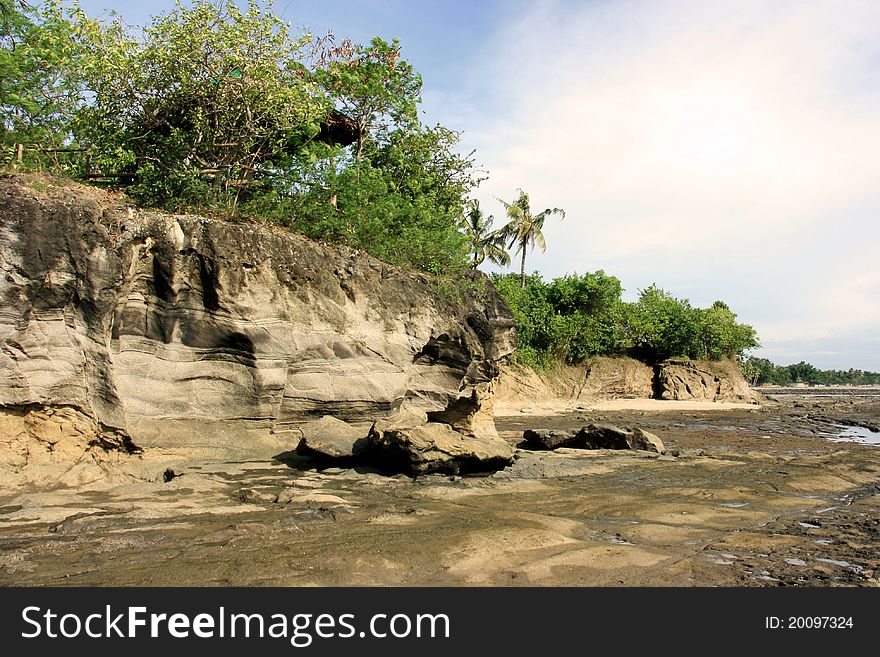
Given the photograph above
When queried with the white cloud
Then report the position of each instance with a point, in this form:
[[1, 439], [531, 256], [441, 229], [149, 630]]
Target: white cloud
[[711, 147]]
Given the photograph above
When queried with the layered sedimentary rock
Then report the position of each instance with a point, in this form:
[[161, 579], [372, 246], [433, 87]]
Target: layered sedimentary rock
[[719, 381], [616, 378], [190, 332], [597, 378], [602, 378]]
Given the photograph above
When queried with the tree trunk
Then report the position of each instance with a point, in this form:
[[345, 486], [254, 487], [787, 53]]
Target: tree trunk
[[522, 270]]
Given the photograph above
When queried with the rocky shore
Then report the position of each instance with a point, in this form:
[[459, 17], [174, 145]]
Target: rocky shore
[[753, 497], [191, 401]]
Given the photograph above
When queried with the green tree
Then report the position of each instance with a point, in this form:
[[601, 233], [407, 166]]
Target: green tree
[[372, 86], [524, 229], [593, 312], [721, 335], [209, 93], [484, 242], [402, 202], [664, 327], [40, 85], [212, 106], [421, 161]]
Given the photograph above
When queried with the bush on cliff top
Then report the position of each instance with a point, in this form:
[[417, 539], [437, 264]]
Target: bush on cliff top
[[215, 108]]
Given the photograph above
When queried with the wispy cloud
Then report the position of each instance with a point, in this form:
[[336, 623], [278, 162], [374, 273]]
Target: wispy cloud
[[722, 149]]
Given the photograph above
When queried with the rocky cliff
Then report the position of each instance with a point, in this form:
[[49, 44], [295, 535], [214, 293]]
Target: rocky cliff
[[603, 378], [178, 331], [703, 380]]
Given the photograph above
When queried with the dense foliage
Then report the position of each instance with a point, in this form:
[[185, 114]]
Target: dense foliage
[[215, 108], [761, 371], [574, 317], [40, 81]]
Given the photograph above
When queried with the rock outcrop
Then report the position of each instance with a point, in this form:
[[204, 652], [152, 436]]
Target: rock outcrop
[[329, 438], [184, 332], [57, 446], [432, 447], [602, 378], [593, 436], [719, 381], [616, 378]]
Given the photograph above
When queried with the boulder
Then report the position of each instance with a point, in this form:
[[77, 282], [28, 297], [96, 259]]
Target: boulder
[[547, 438], [604, 436], [647, 441], [329, 438], [432, 447], [594, 436], [608, 436]]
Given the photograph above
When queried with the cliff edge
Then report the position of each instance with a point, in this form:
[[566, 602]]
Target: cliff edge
[[180, 331]]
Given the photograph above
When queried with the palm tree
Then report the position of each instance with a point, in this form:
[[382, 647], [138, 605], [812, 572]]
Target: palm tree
[[485, 242], [524, 228]]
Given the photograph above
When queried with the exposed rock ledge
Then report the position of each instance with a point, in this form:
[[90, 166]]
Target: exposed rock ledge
[[211, 336], [618, 377]]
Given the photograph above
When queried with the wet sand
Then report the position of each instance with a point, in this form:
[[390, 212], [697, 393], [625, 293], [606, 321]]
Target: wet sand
[[743, 496]]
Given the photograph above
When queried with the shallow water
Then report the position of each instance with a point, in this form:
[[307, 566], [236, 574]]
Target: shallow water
[[854, 434]]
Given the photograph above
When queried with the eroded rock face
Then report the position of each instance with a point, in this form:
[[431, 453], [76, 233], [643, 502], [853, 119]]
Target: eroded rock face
[[183, 330], [56, 446], [600, 377], [617, 378], [690, 379]]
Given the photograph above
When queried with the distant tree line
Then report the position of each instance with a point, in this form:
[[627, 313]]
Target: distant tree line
[[572, 318], [761, 371]]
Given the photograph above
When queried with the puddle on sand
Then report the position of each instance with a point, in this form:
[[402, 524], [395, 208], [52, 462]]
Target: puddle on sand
[[843, 564], [852, 434]]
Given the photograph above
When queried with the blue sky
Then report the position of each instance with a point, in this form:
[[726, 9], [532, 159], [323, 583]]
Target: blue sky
[[722, 149]]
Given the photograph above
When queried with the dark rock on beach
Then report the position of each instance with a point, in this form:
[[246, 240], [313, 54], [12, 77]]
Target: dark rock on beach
[[594, 436]]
